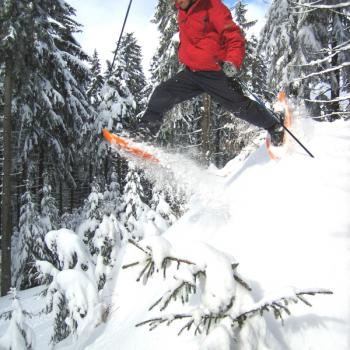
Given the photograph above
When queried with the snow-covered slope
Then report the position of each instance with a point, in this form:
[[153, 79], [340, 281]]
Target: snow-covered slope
[[286, 223]]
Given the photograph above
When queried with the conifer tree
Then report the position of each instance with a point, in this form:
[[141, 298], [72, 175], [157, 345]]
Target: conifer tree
[[253, 71], [115, 112], [108, 241], [277, 45], [19, 335], [44, 95], [49, 217], [112, 197], [96, 82], [160, 205], [135, 207], [71, 294], [93, 214], [129, 58], [31, 241], [165, 63]]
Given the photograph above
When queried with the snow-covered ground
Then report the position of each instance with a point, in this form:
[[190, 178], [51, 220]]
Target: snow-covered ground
[[286, 223]]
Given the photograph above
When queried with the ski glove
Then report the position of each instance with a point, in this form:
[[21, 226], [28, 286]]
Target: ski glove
[[229, 69]]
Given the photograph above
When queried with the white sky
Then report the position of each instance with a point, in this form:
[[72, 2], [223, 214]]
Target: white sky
[[102, 22]]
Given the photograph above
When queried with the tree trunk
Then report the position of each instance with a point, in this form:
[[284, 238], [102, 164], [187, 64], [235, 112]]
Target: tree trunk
[[335, 82], [6, 199], [206, 120], [41, 176]]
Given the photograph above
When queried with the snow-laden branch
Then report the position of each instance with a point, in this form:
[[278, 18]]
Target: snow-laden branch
[[337, 114], [202, 322], [148, 269], [338, 99], [334, 51], [219, 297], [315, 5], [325, 71]]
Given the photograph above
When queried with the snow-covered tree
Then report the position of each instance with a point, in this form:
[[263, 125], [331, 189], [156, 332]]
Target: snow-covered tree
[[112, 198], [93, 214], [135, 207], [108, 241], [277, 44], [165, 62], [96, 82], [306, 45], [129, 58], [19, 335], [72, 293], [45, 93], [49, 217], [222, 307], [52, 103], [320, 67], [117, 105], [115, 112], [30, 243], [160, 205], [253, 71]]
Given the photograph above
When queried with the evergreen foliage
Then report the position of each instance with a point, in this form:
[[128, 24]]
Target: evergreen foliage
[[277, 43], [96, 82], [31, 242], [135, 207], [49, 217], [72, 294], [306, 47], [93, 214], [320, 66], [19, 335], [129, 59], [165, 63], [193, 284]]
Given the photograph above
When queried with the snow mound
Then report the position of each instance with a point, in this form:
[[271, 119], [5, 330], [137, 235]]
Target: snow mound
[[287, 225]]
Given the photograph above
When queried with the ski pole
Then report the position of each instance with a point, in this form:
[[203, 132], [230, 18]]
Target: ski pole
[[262, 104]]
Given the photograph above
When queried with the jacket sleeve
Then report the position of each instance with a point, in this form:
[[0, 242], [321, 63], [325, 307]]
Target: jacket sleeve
[[230, 33]]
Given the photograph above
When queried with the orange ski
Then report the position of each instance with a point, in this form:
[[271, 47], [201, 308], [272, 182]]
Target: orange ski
[[128, 147], [282, 98]]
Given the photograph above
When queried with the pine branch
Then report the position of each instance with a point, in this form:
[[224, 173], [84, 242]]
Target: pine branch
[[206, 321], [181, 288]]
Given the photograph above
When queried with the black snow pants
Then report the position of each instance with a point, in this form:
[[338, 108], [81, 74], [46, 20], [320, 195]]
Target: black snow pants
[[188, 84]]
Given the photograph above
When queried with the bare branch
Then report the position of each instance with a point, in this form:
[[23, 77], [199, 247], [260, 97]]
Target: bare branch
[[325, 71], [320, 6], [341, 98]]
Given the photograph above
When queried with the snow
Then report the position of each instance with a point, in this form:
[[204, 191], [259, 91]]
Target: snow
[[286, 223]]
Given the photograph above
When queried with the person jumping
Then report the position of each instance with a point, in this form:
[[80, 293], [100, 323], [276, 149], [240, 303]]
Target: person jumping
[[212, 49]]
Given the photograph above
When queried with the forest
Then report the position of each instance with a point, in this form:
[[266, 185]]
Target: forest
[[56, 170]]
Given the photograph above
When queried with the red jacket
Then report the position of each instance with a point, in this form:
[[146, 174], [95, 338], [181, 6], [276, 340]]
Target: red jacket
[[208, 36]]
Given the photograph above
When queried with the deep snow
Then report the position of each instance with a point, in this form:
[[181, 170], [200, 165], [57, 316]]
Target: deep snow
[[286, 223]]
